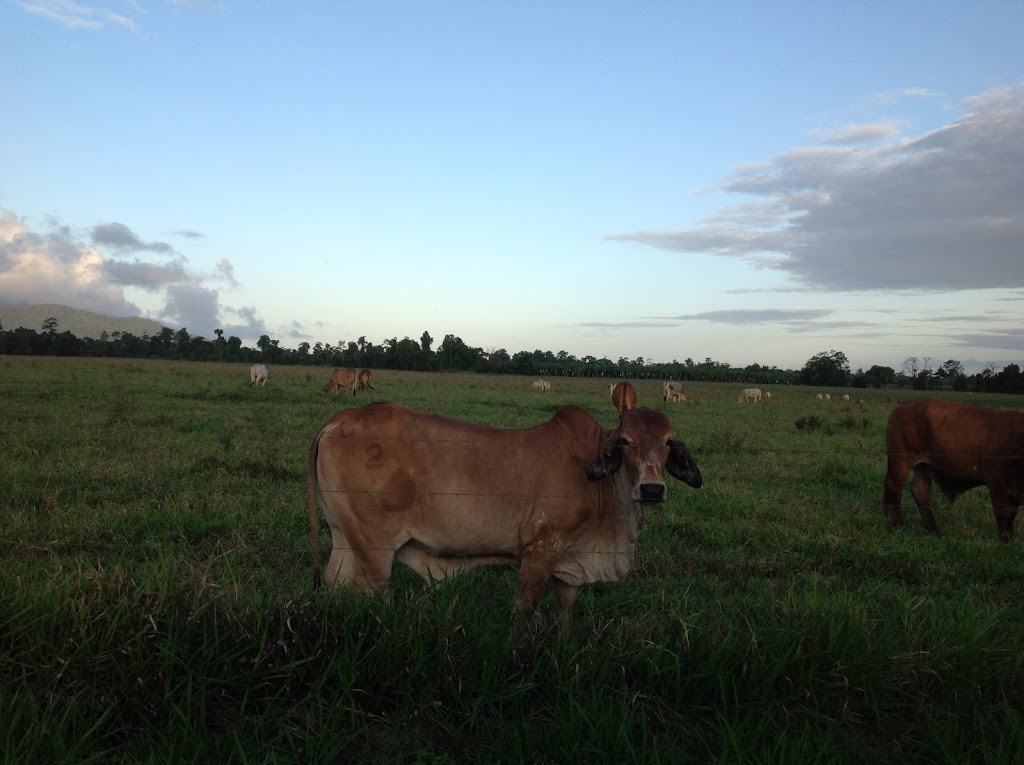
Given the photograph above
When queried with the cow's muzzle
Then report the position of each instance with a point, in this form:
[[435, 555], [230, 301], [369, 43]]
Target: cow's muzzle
[[651, 492]]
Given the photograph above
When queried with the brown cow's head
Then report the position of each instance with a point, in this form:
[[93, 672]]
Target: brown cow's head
[[645, 444]]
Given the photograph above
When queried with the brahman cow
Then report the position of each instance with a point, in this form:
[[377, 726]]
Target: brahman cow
[[750, 394], [341, 378], [258, 374], [363, 381], [563, 499], [542, 385], [959, 447], [623, 397], [674, 391]]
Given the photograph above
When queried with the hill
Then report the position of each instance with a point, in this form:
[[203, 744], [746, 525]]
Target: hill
[[76, 321]]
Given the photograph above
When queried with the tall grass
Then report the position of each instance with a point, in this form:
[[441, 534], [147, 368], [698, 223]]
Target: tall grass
[[156, 601]]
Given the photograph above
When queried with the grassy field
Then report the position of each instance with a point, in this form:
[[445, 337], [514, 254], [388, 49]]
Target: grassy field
[[157, 605]]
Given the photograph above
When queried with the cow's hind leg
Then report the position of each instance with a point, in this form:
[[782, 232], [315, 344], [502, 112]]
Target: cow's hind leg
[[921, 488], [895, 484], [363, 567]]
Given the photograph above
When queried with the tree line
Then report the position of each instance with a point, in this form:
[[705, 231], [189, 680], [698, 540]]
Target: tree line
[[828, 368]]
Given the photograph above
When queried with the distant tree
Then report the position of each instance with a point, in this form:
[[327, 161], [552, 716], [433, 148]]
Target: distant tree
[[877, 376], [826, 368], [50, 326], [426, 341]]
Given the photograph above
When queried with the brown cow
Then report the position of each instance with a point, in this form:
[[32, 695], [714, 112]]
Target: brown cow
[[623, 397], [363, 381], [341, 378], [959, 446], [564, 499]]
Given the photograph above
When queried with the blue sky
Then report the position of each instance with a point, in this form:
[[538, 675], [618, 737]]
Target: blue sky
[[747, 181]]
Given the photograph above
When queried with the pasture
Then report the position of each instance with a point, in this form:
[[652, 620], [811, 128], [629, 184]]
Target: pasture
[[157, 605]]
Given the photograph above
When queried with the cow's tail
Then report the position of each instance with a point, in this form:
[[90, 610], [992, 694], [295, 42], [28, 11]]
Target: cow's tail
[[312, 489]]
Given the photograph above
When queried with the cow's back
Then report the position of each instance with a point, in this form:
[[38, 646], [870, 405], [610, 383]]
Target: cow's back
[[930, 429], [383, 460]]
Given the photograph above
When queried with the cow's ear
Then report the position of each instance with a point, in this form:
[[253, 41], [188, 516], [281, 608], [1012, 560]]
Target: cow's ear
[[609, 459], [680, 465]]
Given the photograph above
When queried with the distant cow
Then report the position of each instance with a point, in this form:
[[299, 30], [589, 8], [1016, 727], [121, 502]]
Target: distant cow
[[564, 499], [846, 397], [363, 381], [959, 447], [767, 395], [674, 391], [828, 396], [750, 394], [623, 397], [819, 397], [258, 374], [542, 385], [341, 378]]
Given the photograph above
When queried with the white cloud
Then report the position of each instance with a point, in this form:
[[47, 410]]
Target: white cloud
[[75, 16], [939, 211], [59, 267]]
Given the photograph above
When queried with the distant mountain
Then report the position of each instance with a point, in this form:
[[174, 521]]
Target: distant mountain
[[76, 321]]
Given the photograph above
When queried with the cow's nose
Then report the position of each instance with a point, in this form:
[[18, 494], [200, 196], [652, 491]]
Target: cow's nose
[[652, 492]]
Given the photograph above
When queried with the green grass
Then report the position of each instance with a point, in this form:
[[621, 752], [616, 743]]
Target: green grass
[[156, 601]]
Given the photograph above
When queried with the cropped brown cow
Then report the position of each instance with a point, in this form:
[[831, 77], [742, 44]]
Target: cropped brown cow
[[341, 378], [363, 381], [564, 499], [623, 397], [959, 447]]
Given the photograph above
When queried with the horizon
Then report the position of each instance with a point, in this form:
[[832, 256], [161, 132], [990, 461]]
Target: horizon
[[747, 183], [970, 366]]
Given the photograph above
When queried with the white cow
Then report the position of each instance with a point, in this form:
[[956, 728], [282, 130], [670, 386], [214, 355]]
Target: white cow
[[542, 385], [750, 394], [675, 392], [846, 397], [828, 396], [258, 374], [767, 395], [819, 397]]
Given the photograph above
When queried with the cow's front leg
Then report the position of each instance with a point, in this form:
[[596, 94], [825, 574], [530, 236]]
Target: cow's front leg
[[1005, 510], [566, 594], [535, 568]]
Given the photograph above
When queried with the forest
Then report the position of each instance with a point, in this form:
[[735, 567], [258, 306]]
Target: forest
[[827, 368]]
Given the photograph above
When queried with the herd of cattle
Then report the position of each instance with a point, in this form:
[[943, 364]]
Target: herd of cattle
[[565, 499]]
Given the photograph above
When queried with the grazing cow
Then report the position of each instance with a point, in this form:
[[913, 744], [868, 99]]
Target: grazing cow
[[258, 374], [674, 391], [819, 397], [542, 385], [341, 378], [750, 394], [363, 381], [564, 499], [846, 397], [828, 396], [958, 446], [767, 395], [623, 397]]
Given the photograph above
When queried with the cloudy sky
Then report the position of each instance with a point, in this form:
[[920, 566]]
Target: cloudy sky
[[746, 181]]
